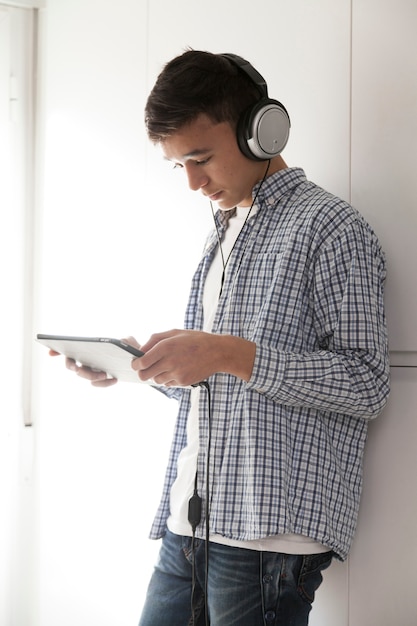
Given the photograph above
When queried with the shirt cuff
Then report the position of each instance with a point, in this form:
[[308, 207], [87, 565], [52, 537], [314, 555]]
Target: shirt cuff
[[268, 370]]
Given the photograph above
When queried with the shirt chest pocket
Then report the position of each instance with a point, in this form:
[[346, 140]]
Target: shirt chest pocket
[[260, 297], [261, 275]]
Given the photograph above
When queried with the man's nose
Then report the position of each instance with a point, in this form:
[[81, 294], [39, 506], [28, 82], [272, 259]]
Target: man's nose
[[196, 178]]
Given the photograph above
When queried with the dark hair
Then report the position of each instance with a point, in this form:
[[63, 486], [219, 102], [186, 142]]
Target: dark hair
[[193, 83]]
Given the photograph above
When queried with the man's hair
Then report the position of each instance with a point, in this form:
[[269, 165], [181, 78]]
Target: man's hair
[[193, 83]]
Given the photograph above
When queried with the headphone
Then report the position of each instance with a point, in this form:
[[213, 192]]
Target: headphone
[[263, 129]]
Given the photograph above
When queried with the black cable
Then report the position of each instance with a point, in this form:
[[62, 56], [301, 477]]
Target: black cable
[[194, 504], [207, 511], [225, 263], [194, 517]]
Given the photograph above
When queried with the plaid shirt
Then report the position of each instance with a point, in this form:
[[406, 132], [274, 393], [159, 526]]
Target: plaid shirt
[[305, 283]]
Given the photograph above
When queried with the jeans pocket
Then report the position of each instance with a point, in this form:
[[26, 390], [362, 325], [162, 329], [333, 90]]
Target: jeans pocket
[[310, 577]]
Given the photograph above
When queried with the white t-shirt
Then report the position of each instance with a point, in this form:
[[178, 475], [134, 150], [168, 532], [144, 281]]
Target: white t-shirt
[[183, 487]]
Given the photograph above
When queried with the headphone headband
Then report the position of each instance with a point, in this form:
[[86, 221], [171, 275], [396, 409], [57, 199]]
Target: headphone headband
[[250, 71]]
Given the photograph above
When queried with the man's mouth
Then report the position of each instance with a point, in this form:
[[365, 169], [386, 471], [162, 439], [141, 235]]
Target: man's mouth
[[215, 196]]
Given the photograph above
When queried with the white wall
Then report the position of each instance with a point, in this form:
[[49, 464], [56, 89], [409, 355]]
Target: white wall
[[384, 150], [109, 209], [384, 187], [95, 278], [17, 484]]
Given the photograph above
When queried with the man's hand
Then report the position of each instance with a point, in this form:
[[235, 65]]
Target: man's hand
[[97, 378], [187, 357]]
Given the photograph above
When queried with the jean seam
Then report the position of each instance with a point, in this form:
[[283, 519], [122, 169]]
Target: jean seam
[[322, 564], [261, 585]]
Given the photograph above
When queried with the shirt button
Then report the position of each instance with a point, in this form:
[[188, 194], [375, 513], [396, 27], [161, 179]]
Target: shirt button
[[267, 578], [270, 616]]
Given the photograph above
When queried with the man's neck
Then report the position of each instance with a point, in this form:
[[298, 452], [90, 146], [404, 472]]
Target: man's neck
[[277, 164]]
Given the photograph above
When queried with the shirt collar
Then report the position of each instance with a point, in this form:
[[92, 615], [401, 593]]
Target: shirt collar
[[274, 187], [277, 185]]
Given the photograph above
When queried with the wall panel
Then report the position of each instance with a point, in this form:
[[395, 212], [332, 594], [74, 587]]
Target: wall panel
[[384, 188], [384, 147], [93, 277], [18, 527], [382, 561]]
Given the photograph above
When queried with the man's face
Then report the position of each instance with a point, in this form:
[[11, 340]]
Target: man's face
[[210, 156]]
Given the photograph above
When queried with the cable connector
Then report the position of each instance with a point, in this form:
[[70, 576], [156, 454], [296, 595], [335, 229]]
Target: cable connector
[[194, 511], [203, 383]]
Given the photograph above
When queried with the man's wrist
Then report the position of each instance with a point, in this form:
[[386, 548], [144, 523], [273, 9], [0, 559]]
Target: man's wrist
[[236, 356]]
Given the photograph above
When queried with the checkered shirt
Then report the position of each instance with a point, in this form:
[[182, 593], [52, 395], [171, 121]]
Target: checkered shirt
[[305, 282]]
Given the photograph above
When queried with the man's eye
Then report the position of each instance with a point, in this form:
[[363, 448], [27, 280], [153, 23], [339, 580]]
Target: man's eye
[[194, 162]]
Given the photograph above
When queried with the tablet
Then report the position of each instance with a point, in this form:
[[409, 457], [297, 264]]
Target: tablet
[[109, 355]]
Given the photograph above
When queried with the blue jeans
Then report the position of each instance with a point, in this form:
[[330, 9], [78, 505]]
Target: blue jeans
[[245, 587]]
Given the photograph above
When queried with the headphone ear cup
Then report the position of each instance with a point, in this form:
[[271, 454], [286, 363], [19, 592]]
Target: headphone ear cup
[[263, 130]]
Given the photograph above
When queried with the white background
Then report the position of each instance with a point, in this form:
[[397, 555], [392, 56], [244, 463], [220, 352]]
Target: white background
[[105, 241]]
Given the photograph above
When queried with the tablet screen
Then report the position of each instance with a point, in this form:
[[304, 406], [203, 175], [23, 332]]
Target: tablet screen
[[107, 354]]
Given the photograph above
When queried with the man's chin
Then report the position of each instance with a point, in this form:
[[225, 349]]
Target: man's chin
[[224, 205]]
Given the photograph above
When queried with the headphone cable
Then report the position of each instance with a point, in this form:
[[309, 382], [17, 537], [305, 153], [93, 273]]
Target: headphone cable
[[194, 517], [225, 263]]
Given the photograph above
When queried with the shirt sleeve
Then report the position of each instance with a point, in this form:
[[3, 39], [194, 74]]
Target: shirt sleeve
[[348, 370]]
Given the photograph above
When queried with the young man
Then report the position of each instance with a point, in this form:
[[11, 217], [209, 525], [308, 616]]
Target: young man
[[285, 326]]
